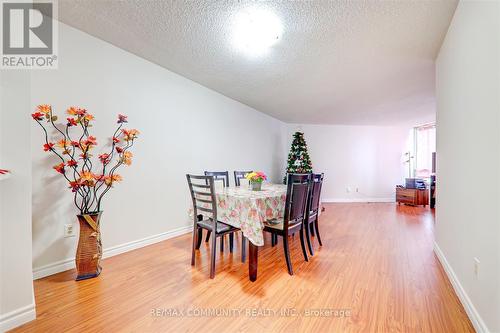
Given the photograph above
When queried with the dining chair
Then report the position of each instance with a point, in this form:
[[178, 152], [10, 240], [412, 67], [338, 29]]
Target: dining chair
[[293, 220], [219, 175], [238, 175], [224, 176], [205, 204], [312, 211]]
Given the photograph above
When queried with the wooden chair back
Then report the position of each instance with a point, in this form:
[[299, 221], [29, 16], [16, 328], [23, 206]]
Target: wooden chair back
[[238, 175], [296, 198], [314, 195], [202, 189], [219, 175]]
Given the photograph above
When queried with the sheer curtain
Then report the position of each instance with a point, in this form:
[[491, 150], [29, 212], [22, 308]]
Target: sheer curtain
[[425, 144]]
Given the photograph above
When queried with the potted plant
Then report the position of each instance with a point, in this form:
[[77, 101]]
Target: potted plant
[[256, 179], [89, 181]]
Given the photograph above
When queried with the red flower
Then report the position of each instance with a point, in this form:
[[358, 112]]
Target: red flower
[[37, 116], [99, 178], [74, 186], [59, 168], [48, 146], [91, 140], [104, 158], [71, 163], [115, 139], [72, 122], [81, 112], [119, 149], [75, 144], [122, 119]]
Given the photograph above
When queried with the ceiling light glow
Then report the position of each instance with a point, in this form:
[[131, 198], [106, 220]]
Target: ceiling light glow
[[255, 30]]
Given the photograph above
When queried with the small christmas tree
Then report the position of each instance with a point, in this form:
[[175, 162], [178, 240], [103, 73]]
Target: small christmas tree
[[298, 158]]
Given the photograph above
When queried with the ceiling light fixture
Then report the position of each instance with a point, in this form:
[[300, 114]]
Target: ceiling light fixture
[[255, 30]]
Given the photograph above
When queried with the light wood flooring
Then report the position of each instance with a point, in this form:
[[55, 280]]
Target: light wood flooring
[[376, 264]]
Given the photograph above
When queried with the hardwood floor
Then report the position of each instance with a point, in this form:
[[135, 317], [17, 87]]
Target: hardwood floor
[[376, 263]]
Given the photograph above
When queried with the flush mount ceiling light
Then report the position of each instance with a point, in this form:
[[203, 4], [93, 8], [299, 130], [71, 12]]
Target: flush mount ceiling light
[[255, 30]]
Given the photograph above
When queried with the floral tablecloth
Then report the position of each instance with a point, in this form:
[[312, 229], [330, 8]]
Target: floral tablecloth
[[246, 209]]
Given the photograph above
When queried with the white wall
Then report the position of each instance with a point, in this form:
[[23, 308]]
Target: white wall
[[16, 286], [184, 126], [468, 159], [369, 158]]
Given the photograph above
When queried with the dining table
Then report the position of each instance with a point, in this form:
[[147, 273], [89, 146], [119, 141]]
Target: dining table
[[247, 209]]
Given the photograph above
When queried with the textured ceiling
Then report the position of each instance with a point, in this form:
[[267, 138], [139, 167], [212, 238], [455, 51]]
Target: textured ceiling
[[338, 62]]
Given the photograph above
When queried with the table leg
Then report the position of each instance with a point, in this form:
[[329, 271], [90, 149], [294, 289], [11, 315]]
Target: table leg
[[253, 254]]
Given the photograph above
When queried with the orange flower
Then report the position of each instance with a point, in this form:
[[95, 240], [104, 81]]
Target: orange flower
[[87, 178], [76, 111], [72, 111], [127, 158], [88, 117], [130, 134], [62, 144], [109, 180], [44, 108], [86, 175]]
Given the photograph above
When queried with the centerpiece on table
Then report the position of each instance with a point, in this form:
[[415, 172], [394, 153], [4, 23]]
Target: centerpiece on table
[[89, 181], [256, 179]]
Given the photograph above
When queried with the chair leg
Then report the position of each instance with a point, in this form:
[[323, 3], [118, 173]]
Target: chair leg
[[231, 241], [311, 229], [212, 257], [198, 238], [287, 254], [308, 228], [208, 236], [273, 240], [221, 243], [317, 232], [243, 248], [195, 233], [302, 243]]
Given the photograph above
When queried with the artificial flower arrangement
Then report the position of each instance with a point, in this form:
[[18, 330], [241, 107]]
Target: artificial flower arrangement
[[256, 178], [89, 181]]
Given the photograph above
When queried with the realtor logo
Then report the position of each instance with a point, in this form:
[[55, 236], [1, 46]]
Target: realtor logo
[[28, 35]]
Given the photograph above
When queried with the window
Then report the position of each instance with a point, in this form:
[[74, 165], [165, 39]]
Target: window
[[425, 145]]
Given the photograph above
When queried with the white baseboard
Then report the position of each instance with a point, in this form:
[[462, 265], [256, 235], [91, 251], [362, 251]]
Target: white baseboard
[[17, 317], [66, 264], [358, 200], [475, 318]]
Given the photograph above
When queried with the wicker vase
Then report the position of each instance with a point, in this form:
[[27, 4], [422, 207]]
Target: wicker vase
[[89, 251]]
